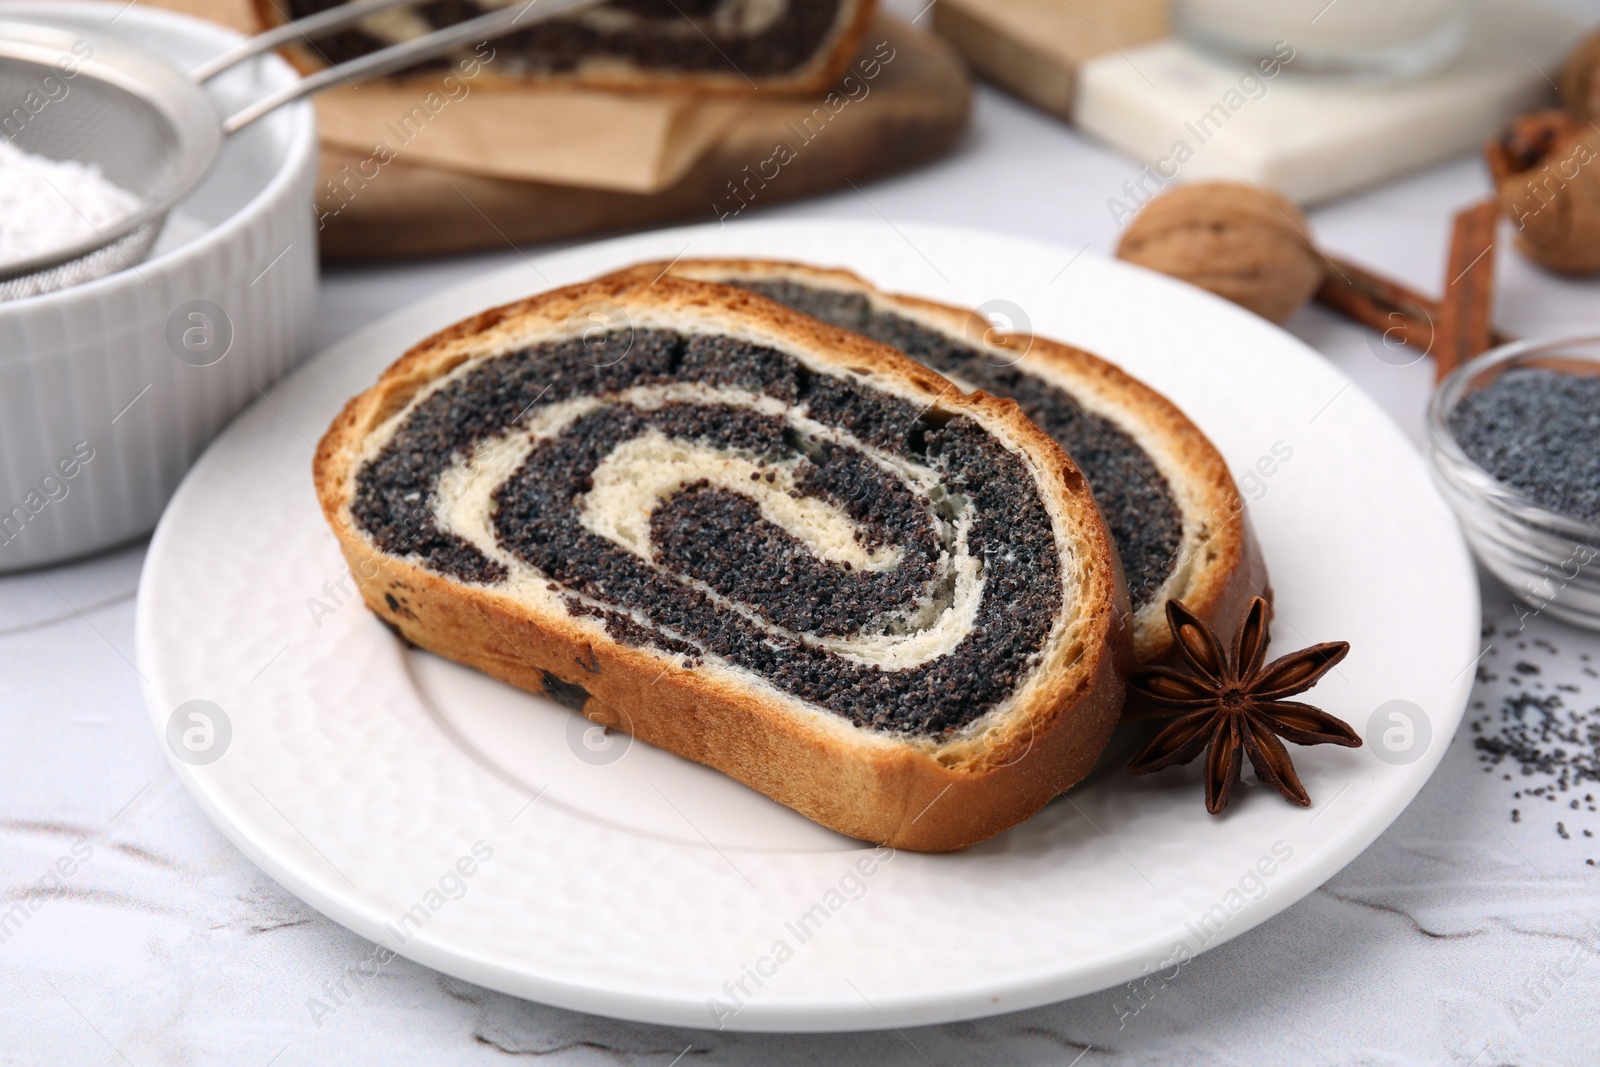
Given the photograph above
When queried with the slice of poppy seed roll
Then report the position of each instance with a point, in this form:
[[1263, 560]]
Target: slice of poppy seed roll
[[1171, 505], [761, 542], [707, 46]]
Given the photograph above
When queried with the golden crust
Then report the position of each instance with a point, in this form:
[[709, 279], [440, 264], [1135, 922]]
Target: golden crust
[[1226, 568], [919, 795], [818, 75]]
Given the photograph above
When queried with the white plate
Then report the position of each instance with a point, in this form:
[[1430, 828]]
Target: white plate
[[640, 885]]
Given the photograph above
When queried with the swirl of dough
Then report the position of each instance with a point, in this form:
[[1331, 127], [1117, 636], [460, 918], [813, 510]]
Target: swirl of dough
[[715, 499]]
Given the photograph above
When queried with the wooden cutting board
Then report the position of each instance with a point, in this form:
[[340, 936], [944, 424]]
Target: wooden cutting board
[[915, 111], [775, 149], [1108, 67], [1034, 47]]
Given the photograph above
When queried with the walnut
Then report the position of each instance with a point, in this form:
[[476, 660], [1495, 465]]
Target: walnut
[[1546, 170], [1248, 245], [1580, 79]]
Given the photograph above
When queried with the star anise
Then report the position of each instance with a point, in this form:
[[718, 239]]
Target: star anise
[[1232, 706]]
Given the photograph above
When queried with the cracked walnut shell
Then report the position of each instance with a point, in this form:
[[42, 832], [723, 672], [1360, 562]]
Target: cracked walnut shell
[[1242, 243], [1546, 170], [1580, 79]]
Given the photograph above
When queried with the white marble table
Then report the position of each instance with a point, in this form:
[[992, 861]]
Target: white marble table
[[1460, 937]]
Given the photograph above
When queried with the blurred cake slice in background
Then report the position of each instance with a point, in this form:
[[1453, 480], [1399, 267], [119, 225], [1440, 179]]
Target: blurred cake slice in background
[[738, 46]]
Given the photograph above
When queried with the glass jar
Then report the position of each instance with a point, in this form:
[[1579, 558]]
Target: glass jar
[[1371, 39]]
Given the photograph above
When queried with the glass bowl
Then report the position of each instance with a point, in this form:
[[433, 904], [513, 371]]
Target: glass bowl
[[1549, 560], [1357, 40]]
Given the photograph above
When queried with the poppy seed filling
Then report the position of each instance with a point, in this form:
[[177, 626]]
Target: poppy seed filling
[[1133, 496], [687, 36], [714, 499]]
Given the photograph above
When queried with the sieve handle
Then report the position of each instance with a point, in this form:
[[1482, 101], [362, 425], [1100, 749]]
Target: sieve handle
[[335, 18], [399, 56]]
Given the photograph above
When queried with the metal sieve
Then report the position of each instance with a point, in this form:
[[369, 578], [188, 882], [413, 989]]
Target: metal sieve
[[156, 132]]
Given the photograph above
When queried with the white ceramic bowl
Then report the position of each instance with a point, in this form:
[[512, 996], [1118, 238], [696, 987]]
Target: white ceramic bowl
[[110, 390]]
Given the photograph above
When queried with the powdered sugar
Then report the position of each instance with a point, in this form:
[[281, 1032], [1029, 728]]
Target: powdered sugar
[[48, 204]]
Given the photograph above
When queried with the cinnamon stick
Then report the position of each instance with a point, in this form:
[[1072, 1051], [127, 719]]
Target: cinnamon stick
[[1383, 304], [1463, 328], [1379, 303]]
